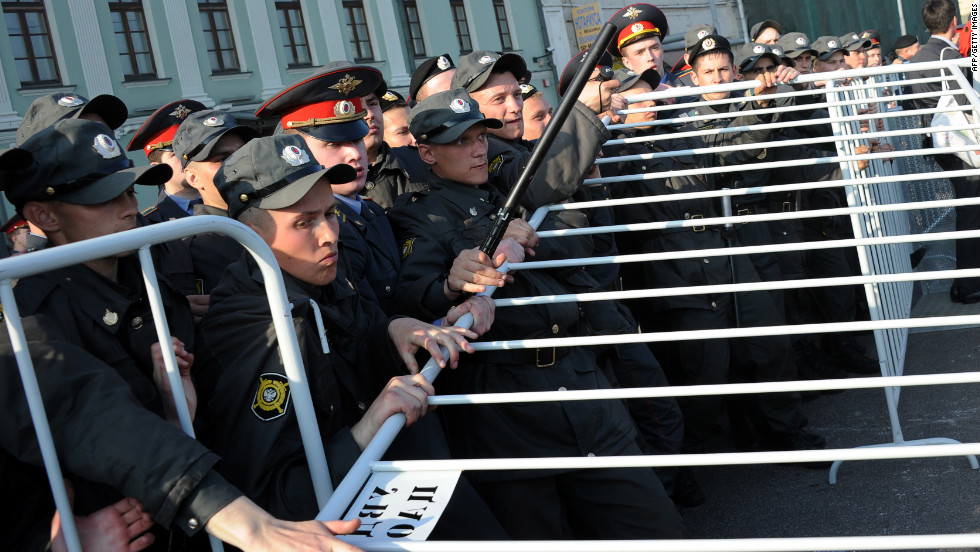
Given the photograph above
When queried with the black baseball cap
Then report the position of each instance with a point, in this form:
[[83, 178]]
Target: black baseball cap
[[476, 67], [827, 46], [76, 161], [47, 110], [852, 42], [444, 116], [428, 69], [763, 25], [710, 43], [527, 90], [628, 79], [326, 106], [200, 132], [905, 41], [391, 99], [796, 44], [568, 73], [784, 59], [750, 54], [273, 172]]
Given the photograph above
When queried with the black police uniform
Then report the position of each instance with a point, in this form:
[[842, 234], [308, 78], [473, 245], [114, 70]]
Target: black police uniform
[[260, 437], [436, 226], [90, 341], [165, 209], [211, 253], [396, 171], [372, 255]]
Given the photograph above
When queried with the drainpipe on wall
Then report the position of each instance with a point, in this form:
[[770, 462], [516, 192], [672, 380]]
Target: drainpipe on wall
[[745, 26]]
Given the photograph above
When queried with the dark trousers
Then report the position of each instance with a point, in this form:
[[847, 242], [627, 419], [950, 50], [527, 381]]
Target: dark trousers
[[627, 503], [967, 218]]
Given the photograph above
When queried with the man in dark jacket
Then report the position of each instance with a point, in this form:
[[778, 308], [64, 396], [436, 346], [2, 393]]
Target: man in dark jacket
[[444, 224], [940, 19], [353, 353], [92, 339]]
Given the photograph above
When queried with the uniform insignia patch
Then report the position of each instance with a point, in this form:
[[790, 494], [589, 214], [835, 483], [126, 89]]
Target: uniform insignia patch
[[832, 43], [214, 121], [271, 397], [459, 106], [149, 210], [407, 248], [708, 44], [70, 101], [525, 88], [494, 165], [295, 156], [473, 211], [346, 85], [442, 63], [344, 108], [110, 318], [106, 147], [487, 60], [389, 97], [341, 216], [180, 111], [702, 33], [776, 51], [631, 13], [801, 41], [637, 27], [758, 49]]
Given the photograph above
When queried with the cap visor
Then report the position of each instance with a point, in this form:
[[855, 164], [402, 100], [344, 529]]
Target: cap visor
[[826, 55], [110, 187], [458, 129], [245, 132], [337, 132], [749, 63], [291, 193], [112, 110], [511, 63]]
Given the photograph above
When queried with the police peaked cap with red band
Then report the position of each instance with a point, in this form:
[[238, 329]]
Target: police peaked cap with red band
[[636, 22], [567, 74], [327, 106], [159, 129]]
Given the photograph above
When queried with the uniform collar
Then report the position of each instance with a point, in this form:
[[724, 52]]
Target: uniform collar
[[202, 209], [472, 199], [355, 204], [101, 299]]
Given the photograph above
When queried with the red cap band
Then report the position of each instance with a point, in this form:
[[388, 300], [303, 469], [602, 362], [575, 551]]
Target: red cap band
[[636, 30], [324, 113], [161, 140]]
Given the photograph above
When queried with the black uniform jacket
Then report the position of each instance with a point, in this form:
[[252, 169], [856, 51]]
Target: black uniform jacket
[[211, 253], [369, 247], [90, 339], [434, 227], [245, 392], [165, 209], [395, 172], [571, 155]]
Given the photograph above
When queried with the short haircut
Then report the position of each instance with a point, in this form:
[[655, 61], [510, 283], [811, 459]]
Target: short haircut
[[727, 53], [937, 15], [256, 217], [155, 156]]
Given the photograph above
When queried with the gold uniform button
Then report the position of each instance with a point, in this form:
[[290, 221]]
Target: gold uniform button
[[554, 329], [360, 405], [714, 305], [369, 185], [707, 261], [136, 323], [192, 523], [388, 289]]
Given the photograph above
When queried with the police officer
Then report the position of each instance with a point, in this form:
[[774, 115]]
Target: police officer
[[906, 46], [156, 138], [453, 217], [91, 337], [682, 70], [393, 170], [395, 110], [640, 30], [766, 32], [536, 113], [857, 50], [431, 76], [874, 52], [797, 47], [47, 110]]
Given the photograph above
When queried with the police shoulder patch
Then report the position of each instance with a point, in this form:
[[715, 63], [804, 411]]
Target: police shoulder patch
[[149, 210], [271, 397], [407, 248], [494, 166]]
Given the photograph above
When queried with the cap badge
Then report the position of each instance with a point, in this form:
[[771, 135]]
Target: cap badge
[[243, 198], [487, 60], [473, 211], [832, 43], [49, 191], [866, 34], [637, 27], [525, 88], [110, 318], [759, 49], [459, 106], [70, 101], [180, 111], [776, 51], [346, 85], [702, 33], [854, 37], [344, 108], [708, 44], [631, 13], [295, 156], [106, 146], [389, 97], [443, 63], [214, 121], [801, 41]]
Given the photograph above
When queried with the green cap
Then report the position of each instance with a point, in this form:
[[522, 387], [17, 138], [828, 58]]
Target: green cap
[[444, 116], [273, 172], [75, 161], [476, 67]]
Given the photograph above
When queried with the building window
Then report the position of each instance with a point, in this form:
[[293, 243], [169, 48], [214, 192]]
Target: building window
[[414, 28], [462, 26], [30, 39], [293, 32], [132, 40], [360, 39], [502, 27], [218, 36]]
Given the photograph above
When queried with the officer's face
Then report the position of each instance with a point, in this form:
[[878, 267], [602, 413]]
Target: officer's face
[[537, 113], [641, 87], [644, 54], [463, 161], [768, 36], [200, 174], [304, 236], [177, 181], [833, 63], [856, 60], [375, 122], [713, 68], [353, 153], [69, 223], [874, 57], [18, 240], [396, 127], [804, 63], [438, 83], [500, 98]]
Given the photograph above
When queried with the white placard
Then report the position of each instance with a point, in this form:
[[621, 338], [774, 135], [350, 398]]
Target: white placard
[[395, 506]]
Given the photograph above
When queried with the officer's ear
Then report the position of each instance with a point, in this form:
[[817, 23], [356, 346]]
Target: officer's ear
[[426, 153], [190, 175], [42, 214]]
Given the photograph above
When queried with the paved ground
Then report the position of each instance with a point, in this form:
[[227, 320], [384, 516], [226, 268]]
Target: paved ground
[[883, 497]]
